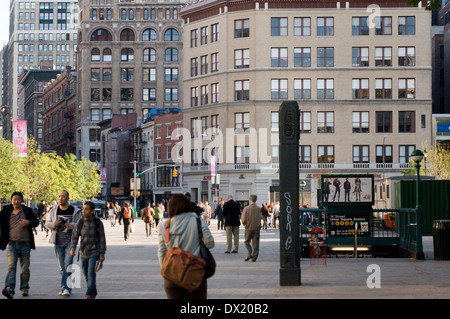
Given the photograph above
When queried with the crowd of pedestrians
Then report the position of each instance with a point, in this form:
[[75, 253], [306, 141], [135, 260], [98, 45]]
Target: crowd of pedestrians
[[66, 226]]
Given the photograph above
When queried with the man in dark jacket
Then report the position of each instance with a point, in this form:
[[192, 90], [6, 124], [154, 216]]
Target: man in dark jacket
[[232, 215], [16, 224]]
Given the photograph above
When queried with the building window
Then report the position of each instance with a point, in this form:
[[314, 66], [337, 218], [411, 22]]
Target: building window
[[360, 88], [127, 94], [241, 123], [149, 35], [194, 38], [171, 35], [215, 93], [95, 55], [383, 25], [106, 95], [325, 122], [406, 25], [215, 124], [325, 89], [215, 32], [406, 56], [101, 35], [194, 66], [94, 155], [204, 64], [242, 28], [302, 57], [302, 26], [204, 94], [279, 57], [149, 94], [204, 34], [305, 122], [360, 57], [360, 26], [241, 154], [383, 88], [95, 94], [127, 55], [106, 75], [95, 114], [274, 122], [95, 74], [404, 152], [325, 26], [325, 57], [304, 153], [214, 62], [126, 74], [302, 89], [149, 55], [171, 55], [107, 55], [406, 122], [383, 154], [194, 96], [383, 56], [171, 94], [241, 58], [325, 154], [94, 135], [149, 74], [278, 88], [106, 113], [241, 90], [360, 153], [279, 27], [360, 122], [170, 74], [384, 121], [406, 88]]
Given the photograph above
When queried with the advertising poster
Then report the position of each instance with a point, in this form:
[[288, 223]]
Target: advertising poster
[[20, 137], [347, 189]]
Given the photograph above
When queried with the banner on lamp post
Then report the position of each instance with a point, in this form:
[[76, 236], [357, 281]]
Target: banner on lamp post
[[20, 137]]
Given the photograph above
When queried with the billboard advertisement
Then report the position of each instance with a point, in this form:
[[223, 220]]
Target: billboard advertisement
[[348, 189]]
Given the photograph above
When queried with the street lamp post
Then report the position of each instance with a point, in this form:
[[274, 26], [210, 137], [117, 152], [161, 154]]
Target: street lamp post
[[302, 185], [417, 156]]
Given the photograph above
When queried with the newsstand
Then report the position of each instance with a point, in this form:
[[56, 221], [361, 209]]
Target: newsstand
[[441, 239]]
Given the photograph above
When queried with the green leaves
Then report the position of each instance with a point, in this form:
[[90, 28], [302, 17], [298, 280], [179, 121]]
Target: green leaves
[[43, 175]]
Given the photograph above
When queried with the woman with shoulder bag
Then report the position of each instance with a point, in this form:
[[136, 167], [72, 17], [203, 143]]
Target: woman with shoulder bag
[[183, 233]]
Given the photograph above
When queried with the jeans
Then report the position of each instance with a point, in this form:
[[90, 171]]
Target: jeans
[[64, 261], [14, 252], [88, 268]]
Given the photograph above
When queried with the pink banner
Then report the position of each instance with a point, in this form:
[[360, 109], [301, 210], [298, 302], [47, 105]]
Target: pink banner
[[20, 137]]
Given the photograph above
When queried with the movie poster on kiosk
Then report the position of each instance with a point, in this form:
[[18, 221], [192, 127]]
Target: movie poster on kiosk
[[348, 189], [20, 137]]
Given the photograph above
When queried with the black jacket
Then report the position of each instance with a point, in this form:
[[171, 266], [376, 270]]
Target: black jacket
[[5, 215], [232, 213]]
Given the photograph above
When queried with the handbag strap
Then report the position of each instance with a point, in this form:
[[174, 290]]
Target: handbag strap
[[200, 231]]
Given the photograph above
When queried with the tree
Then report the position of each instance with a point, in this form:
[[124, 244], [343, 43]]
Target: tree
[[12, 177], [431, 5], [436, 163]]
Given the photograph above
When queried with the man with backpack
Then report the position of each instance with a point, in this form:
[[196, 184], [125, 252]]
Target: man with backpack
[[147, 217], [128, 218]]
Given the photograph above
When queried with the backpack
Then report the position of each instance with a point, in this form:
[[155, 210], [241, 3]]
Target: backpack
[[126, 212]]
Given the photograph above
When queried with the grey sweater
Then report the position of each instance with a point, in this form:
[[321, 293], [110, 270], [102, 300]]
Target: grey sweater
[[183, 234]]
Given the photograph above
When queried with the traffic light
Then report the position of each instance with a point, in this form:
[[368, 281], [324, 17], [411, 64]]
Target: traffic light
[[175, 173]]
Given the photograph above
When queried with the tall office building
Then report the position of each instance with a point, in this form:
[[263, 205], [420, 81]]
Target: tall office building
[[128, 62], [39, 31], [361, 74]]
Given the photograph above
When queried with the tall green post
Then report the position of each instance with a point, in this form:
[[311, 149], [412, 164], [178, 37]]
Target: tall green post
[[289, 134]]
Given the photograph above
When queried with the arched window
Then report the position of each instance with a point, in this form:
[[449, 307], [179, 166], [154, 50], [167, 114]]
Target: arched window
[[149, 55], [95, 55], [94, 14], [171, 55], [127, 55], [101, 35], [171, 35], [127, 35], [123, 14], [149, 35], [107, 55], [131, 14]]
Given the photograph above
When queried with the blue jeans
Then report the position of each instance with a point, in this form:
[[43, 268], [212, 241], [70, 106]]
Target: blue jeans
[[64, 261], [14, 252], [88, 268]]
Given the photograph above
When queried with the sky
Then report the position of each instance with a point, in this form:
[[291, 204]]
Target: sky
[[4, 22]]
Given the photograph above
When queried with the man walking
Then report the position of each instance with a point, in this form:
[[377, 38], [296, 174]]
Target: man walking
[[251, 219], [61, 220], [16, 224], [232, 214]]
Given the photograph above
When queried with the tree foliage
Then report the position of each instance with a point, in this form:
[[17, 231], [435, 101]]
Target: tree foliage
[[431, 5], [41, 176], [436, 163]]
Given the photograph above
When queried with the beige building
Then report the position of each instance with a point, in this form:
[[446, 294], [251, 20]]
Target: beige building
[[128, 62], [360, 73]]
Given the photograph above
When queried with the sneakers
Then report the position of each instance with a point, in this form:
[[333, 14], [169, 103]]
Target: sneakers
[[64, 293], [8, 293]]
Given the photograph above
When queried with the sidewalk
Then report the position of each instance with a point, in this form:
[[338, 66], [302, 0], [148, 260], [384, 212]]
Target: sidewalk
[[131, 271]]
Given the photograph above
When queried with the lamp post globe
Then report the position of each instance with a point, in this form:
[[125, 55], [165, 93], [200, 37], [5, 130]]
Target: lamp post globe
[[417, 156]]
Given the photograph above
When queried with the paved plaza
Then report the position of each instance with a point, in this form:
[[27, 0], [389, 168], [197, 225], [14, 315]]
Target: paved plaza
[[131, 271]]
